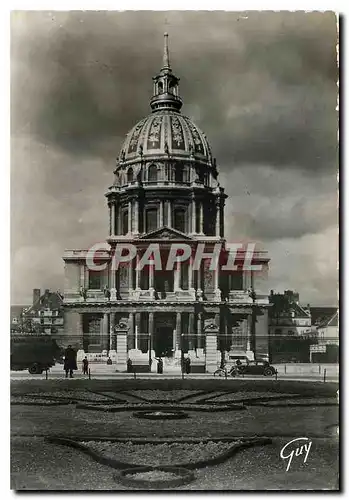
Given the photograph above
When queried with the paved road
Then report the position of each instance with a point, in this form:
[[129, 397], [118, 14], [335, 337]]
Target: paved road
[[100, 375]]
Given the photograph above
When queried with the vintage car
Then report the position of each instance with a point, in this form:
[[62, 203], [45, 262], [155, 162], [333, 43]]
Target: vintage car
[[258, 367], [244, 366]]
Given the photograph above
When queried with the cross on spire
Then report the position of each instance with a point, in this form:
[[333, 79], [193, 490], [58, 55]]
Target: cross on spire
[[166, 60], [166, 91]]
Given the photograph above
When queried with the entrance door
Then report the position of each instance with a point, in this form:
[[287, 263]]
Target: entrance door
[[163, 342]]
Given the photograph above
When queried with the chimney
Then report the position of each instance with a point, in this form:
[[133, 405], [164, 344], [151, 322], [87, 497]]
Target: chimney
[[36, 295]]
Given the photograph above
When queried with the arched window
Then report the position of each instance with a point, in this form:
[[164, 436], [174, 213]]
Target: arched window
[[153, 173], [129, 175], [179, 173], [151, 219], [160, 87], [179, 219]]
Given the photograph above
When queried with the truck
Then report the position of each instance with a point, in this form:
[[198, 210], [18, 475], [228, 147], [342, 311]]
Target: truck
[[34, 353]]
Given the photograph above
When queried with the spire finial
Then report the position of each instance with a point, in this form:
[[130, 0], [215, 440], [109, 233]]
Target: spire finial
[[166, 62]]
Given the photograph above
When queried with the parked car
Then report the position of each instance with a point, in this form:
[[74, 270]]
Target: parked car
[[258, 367]]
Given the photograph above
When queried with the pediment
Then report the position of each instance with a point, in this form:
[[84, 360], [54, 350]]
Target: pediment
[[166, 233]]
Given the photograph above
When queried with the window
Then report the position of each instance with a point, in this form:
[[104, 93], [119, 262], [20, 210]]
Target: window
[[153, 173], [236, 280], [129, 175], [179, 219], [94, 280], [179, 173], [151, 219], [125, 222]]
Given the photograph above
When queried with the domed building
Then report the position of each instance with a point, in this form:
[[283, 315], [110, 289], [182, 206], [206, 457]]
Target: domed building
[[165, 191]]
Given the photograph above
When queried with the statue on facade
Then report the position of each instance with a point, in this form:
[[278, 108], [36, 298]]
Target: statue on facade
[[106, 292], [83, 292]]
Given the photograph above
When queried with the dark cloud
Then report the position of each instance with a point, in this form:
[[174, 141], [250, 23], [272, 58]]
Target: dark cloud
[[265, 86], [263, 89]]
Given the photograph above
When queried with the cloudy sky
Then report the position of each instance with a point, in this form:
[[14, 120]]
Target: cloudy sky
[[262, 88]]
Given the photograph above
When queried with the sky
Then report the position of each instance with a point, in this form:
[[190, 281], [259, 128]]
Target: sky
[[261, 85]]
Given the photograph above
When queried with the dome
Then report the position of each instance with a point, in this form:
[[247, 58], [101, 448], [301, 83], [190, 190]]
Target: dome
[[166, 133]]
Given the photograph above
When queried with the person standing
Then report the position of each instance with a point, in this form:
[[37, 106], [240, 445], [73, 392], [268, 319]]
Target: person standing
[[85, 366], [70, 361]]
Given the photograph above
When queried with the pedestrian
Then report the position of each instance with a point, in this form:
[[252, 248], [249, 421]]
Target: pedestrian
[[70, 361], [129, 366], [187, 365], [160, 369], [85, 366]]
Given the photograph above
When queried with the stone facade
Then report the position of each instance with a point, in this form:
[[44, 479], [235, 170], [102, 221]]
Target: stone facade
[[166, 191]]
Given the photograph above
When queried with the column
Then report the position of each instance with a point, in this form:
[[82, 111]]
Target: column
[[190, 274], [136, 228], [199, 330], [129, 229], [169, 214], [211, 351], [221, 220], [151, 275], [161, 222], [116, 217], [105, 331], [119, 219], [178, 330], [113, 219], [82, 275], [217, 291], [111, 332], [218, 217], [110, 220], [121, 347], [138, 327], [193, 216], [138, 272], [201, 220], [131, 330], [176, 277], [112, 282], [130, 275], [248, 332], [191, 331], [150, 332]]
